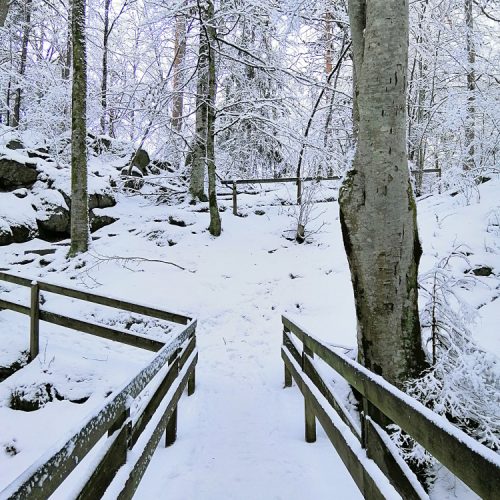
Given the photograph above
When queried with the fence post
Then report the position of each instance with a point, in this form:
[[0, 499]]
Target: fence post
[[310, 418], [235, 199], [192, 383], [35, 320], [171, 428], [288, 375]]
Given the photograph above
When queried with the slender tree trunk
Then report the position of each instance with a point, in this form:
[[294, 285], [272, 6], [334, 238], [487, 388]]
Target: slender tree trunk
[[4, 10], [79, 198], [215, 223], [22, 68], [471, 88], [198, 154], [104, 75], [377, 208], [178, 75]]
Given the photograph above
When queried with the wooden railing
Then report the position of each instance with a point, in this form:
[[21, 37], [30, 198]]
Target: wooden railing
[[473, 463], [37, 314], [296, 180], [132, 439]]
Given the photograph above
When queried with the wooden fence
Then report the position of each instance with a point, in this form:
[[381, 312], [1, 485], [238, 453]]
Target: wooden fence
[[132, 439], [296, 180], [473, 463]]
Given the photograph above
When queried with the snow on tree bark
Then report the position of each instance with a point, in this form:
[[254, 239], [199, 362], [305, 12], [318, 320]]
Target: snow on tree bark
[[378, 211], [79, 197]]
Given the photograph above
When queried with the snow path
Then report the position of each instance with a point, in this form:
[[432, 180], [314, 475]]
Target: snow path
[[241, 435]]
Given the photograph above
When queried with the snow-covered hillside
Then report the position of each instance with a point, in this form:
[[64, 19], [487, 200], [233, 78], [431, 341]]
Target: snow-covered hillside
[[241, 435]]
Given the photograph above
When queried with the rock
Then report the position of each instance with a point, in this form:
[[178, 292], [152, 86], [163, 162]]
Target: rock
[[20, 193], [33, 397], [22, 232], [6, 236], [134, 180], [14, 174], [483, 271], [14, 144], [141, 160], [52, 214], [99, 220], [158, 166], [102, 199], [39, 153], [17, 220]]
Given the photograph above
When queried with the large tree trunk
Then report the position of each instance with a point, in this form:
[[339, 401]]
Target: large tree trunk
[[79, 199], [471, 88], [16, 117], [377, 207]]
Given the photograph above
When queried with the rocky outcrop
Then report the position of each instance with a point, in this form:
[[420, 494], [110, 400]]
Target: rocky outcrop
[[17, 220], [52, 214], [99, 219], [15, 174]]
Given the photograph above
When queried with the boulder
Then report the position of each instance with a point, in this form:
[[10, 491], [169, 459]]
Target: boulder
[[134, 180], [20, 193], [14, 144], [6, 236], [141, 160], [17, 220], [15, 174], [99, 220], [101, 199], [52, 214]]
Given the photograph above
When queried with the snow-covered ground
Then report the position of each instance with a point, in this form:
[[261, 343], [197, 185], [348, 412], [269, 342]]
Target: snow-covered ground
[[241, 435]]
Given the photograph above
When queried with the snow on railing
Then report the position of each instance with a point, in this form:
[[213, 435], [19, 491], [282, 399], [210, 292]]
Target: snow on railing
[[470, 461], [167, 375]]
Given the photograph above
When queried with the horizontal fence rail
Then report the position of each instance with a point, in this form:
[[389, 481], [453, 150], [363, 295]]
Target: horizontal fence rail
[[234, 183], [37, 314], [130, 438], [474, 464], [47, 474]]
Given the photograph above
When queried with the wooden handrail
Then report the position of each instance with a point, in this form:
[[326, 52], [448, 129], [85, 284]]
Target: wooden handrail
[[47, 473], [37, 314], [469, 460]]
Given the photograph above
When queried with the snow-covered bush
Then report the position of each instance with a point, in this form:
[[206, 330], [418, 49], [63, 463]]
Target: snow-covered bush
[[463, 381]]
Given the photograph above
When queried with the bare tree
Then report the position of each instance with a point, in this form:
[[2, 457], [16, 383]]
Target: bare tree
[[79, 197], [24, 57], [378, 211]]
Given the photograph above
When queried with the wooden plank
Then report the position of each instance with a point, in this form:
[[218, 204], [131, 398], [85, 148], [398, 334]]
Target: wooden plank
[[15, 306], [312, 373], [105, 332], [142, 462], [114, 302], [114, 458], [186, 352], [363, 478], [281, 180], [52, 468], [235, 199], [462, 455], [34, 321], [145, 416], [391, 464], [16, 280], [288, 343]]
